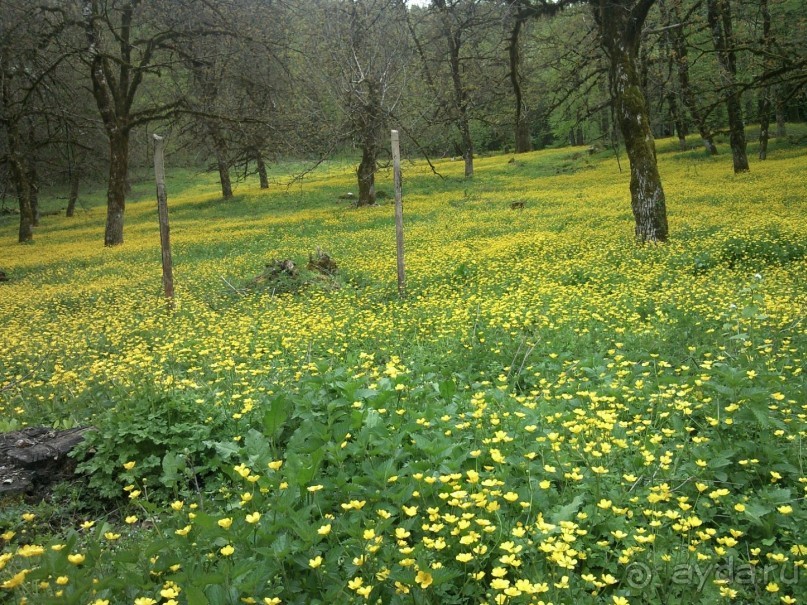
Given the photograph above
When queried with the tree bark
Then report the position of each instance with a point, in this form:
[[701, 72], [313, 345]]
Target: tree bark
[[222, 164], [620, 23], [262, 176], [719, 18], [116, 190], [523, 137], [366, 174]]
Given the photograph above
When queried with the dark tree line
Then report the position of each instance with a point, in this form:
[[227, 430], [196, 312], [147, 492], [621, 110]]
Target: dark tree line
[[241, 83]]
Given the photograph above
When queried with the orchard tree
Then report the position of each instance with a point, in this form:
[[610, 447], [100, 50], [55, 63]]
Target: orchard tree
[[362, 55], [129, 45]]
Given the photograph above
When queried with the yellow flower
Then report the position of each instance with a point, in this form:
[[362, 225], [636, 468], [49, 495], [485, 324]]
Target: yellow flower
[[315, 562], [30, 550], [76, 559], [314, 488], [225, 523], [111, 536], [16, 580], [253, 517], [129, 465], [62, 580], [275, 465], [410, 510], [144, 601], [177, 505], [324, 530], [131, 519], [87, 524], [184, 531], [785, 509], [226, 551], [28, 517], [424, 579], [272, 601]]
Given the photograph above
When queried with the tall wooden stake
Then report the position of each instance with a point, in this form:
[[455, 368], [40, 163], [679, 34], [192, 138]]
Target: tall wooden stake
[[162, 211], [396, 170]]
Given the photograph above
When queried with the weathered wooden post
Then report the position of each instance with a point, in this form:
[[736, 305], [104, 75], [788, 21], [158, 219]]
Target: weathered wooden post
[[396, 170], [162, 211]]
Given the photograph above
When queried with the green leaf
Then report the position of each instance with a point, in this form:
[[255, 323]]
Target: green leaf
[[276, 415], [195, 595]]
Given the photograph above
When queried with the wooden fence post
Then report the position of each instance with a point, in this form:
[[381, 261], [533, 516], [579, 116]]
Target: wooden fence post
[[396, 169], [162, 211]]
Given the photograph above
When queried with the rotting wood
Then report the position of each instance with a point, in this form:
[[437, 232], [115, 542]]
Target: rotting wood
[[36, 456]]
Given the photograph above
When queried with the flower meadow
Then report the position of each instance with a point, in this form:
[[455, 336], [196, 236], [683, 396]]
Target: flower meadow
[[552, 414]]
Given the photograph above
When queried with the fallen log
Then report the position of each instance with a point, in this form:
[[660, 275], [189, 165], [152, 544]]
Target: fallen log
[[36, 456]]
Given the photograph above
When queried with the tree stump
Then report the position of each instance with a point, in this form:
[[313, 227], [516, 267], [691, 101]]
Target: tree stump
[[36, 457]]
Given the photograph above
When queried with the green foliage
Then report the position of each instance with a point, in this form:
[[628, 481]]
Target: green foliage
[[168, 438]]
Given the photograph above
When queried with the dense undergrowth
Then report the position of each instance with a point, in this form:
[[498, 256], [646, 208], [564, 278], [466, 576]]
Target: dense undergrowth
[[553, 414]]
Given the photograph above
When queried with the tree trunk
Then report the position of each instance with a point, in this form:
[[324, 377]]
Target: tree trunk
[[366, 174], [262, 176], [116, 190], [620, 23], [73, 195], [679, 50], [19, 176], [671, 93], [454, 39], [21, 184], [224, 175], [764, 123], [765, 99], [719, 18], [220, 152], [678, 121], [522, 124]]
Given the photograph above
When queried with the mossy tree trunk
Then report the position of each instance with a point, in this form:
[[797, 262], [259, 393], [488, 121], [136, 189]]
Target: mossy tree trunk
[[620, 24]]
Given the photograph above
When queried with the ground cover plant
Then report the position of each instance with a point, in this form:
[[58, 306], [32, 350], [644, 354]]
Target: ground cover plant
[[553, 415]]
